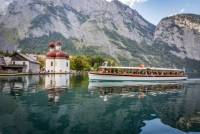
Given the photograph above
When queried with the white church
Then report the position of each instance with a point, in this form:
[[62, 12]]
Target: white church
[[56, 60]]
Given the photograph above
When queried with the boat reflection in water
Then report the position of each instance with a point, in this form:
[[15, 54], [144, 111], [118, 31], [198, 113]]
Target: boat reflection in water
[[134, 89], [56, 85]]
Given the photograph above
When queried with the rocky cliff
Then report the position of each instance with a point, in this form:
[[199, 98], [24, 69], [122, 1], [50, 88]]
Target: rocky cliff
[[94, 26], [181, 32]]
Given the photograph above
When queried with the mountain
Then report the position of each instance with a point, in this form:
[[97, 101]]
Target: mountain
[[181, 32], [94, 26], [178, 37], [103, 28]]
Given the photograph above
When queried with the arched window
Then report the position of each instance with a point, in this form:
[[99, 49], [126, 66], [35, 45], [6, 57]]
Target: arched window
[[52, 63]]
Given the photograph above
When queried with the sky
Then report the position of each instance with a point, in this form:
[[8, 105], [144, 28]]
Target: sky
[[152, 10], [155, 10]]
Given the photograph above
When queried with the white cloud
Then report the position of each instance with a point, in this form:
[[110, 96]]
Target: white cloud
[[179, 12], [182, 10], [130, 2]]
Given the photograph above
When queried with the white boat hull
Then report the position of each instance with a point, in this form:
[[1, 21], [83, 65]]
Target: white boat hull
[[96, 77]]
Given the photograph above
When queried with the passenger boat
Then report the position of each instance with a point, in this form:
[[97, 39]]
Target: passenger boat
[[106, 73]]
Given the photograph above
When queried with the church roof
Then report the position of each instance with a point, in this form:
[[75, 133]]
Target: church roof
[[57, 54]]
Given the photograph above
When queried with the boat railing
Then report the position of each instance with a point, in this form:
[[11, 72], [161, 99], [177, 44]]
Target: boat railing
[[137, 74]]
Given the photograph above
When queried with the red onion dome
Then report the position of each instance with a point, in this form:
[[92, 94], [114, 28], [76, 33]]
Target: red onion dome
[[61, 54], [58, 43], [51, 54], [51, 44]]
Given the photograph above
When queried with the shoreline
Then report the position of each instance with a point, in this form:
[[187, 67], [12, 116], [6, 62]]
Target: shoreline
[[21, 74]]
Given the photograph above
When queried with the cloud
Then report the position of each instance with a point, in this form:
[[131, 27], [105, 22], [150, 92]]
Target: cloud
[[130, 2], [182, 10]]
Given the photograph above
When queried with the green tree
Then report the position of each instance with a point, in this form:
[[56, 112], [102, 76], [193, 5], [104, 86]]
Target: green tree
[[77, 63], [41, 62], [87, 63]]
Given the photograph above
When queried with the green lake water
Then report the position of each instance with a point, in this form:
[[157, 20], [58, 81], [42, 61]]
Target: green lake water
[[63, 104]]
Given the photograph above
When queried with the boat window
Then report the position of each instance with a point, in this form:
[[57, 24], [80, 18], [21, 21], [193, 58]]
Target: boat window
[[130, 71], [119, 70], [142, 72], [109, 70], [154, 73], [116, 70], [112, 70]]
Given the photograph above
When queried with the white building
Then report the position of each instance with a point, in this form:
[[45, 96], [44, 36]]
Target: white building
[[56, 60], [29, 65]]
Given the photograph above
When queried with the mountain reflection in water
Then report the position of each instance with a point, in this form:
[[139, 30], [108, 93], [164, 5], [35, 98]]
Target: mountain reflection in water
[[65, 104]]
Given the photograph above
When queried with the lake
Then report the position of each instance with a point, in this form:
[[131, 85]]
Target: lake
[[64, 104]]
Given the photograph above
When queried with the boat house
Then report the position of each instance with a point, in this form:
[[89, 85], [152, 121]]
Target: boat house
[[29, 64], [6, 68]]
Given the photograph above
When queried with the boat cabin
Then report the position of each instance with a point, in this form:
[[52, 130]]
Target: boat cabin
[[141, 72]]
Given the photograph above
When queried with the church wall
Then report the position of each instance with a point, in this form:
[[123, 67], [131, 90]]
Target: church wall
[[50, 65]]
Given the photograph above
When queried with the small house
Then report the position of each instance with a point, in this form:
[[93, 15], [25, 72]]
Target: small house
[[30, 64], [5, 67]]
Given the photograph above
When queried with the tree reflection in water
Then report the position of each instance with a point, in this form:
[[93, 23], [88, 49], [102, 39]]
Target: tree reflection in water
[[34, 104]]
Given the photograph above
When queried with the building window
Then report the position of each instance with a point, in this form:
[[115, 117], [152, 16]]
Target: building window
[[52, 63], [24, 63], [13, 62], [67, 64]]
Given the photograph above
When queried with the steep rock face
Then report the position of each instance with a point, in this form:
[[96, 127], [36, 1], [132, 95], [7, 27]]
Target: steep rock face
[[182, 34], [86, 26]]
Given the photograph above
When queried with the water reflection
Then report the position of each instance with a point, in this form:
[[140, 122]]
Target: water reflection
[[64, 106], [134, 89], [16, 86], [57, 81], [55, 85], [175, 104]]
